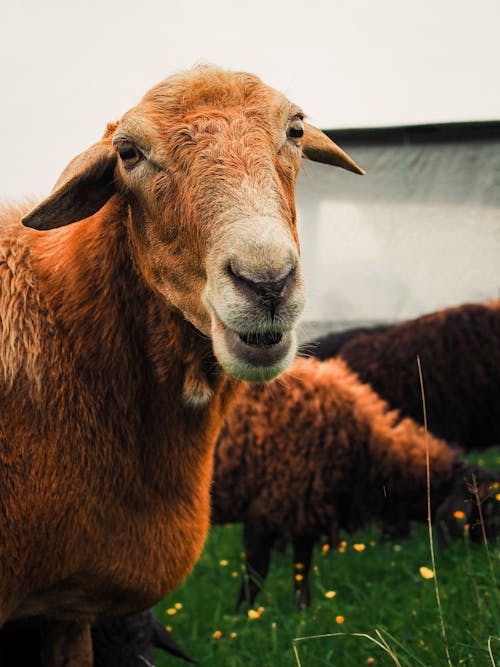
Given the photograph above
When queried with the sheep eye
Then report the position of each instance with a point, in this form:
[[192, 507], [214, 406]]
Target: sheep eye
[[129, 154], [295, 128]]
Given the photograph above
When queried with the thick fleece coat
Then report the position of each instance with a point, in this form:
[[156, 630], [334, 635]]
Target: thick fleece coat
[[460, 356], [317, 451]]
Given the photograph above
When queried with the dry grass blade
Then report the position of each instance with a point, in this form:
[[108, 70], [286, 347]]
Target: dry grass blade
[[490, 652], [381, 643], [429, 520]]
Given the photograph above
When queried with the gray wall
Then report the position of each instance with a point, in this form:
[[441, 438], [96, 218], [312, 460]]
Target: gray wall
[[420, 231]]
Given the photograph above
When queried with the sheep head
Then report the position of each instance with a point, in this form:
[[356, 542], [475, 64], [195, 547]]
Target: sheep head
[[206, 164], [470, 501]]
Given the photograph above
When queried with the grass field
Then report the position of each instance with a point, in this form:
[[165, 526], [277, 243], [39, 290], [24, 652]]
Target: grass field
[[376, 587]]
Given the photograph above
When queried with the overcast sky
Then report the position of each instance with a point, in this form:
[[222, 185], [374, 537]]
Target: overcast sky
[[69, 67]]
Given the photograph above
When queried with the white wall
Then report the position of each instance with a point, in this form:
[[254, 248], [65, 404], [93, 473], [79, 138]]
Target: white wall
[[66, 68], [420, 231]]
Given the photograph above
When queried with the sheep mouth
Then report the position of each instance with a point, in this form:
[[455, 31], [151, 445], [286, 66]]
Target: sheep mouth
[[255, 355], [257, 348], [267, 339]]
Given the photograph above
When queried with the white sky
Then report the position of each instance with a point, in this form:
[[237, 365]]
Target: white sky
[[66, 68]]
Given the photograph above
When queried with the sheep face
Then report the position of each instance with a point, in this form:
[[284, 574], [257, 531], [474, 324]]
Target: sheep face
[[206, 164], [215, 224]]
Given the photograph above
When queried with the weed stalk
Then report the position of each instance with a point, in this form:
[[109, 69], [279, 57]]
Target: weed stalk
[[429, 519]]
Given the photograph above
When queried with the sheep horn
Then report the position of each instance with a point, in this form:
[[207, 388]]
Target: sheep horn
[[320, 148], [164, 640]]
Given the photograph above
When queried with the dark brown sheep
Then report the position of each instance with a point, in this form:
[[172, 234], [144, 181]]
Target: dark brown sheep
[[317, 451], [128, 641], [459, 349], [123, 338]]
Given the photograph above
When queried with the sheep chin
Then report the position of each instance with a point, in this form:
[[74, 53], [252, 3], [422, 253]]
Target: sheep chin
[[252, 362]]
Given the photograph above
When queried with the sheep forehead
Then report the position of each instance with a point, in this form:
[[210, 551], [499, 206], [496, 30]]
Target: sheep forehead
[[209, 86], [204, 93]]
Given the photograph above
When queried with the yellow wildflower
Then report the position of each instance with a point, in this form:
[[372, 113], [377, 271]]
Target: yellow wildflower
[[339, 619], [233, 635], [171, 611], [299, 566], [234, 574], [459, 514], [299, 577], [255, 613], [496, 485], [224, 562], [168, 628], [343, 544], [325, 548], [497, 496], [178, 605], [217, 634], [330, 594], [359, 547], [426, 572]]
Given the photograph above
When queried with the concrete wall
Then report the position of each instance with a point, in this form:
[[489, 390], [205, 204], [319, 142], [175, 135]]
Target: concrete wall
[[420, 231]]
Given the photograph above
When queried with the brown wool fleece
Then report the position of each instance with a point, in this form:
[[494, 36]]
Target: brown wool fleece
[[460, 357]]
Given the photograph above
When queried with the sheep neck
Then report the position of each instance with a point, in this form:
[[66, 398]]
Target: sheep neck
[[128, 344]]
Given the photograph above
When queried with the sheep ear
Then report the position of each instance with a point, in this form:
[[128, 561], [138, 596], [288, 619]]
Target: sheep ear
[[320, 148], [82, 189], [164, 640]]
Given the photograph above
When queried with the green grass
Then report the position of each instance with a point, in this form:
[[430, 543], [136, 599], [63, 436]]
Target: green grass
[[377, 589]]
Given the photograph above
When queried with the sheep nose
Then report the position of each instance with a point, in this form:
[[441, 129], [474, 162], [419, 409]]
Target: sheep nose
[[268, 293]]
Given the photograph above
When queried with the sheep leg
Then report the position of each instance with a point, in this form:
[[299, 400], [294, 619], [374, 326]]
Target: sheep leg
[[68, 644], [302, 557], [21, 641], [258, 548]]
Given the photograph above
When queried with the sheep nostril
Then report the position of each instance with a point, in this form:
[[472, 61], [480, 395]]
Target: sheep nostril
[[269, 292]]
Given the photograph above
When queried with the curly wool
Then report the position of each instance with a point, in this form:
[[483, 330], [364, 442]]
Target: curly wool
[[460, 357], [310, 448], [317, 451]]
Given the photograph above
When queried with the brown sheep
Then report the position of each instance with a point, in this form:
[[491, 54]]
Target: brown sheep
[[128, 641], [123, 338], [460, 356], [317, 451]]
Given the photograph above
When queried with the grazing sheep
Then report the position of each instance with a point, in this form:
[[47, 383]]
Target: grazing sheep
[[330, 344], [129, 641], [317, 451], [126, 642], [123, 338], [460, 356]]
